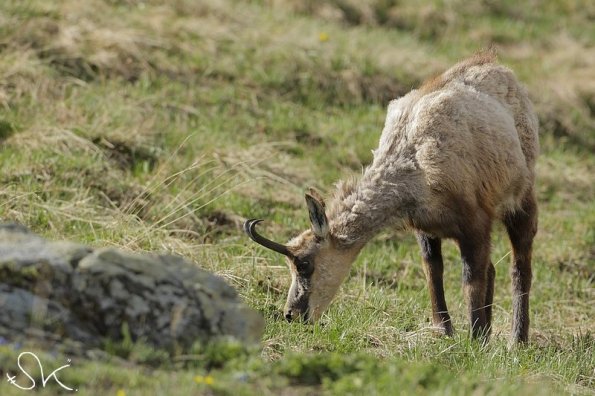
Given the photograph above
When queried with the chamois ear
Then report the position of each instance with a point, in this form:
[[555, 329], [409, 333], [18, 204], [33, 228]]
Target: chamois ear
[[314, 193], [317, 215]]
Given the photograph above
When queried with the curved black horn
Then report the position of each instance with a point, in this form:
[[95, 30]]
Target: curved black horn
[[250, 229]]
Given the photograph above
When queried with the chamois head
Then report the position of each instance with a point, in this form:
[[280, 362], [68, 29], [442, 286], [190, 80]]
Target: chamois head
[[318, 262]]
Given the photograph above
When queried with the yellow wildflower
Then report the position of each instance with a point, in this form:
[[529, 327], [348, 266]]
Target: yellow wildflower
[[199, 379], [120, 392], [323, 36]]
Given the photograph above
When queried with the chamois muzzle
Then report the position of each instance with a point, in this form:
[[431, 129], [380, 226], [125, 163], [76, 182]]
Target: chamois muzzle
[[250, 229], [304, 315]]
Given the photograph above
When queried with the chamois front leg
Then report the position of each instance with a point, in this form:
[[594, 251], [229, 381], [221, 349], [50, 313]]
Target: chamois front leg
[[431, 251], [477, 283], [522, 227]]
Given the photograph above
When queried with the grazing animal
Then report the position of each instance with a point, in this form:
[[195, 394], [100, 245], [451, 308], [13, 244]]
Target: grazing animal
[[455, 155]]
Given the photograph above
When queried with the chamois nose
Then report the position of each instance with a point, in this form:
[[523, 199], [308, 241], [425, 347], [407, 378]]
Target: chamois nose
[[288, 316]]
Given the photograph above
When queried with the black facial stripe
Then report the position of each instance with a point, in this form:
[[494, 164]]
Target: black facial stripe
[[302, 295], [303, 283], [304, 265], [301, 304]]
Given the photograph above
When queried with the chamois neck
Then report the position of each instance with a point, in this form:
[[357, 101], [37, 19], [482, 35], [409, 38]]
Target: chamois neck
[[362, 208]]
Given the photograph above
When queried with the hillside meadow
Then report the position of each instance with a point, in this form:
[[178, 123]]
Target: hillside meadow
[[161, 126]]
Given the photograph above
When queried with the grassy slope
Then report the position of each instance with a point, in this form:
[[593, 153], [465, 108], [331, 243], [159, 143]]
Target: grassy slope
[[155, 127]]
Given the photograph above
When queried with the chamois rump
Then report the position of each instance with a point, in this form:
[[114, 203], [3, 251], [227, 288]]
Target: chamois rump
[[454, 156]]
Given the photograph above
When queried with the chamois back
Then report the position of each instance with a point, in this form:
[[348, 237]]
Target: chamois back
[[483, 73]]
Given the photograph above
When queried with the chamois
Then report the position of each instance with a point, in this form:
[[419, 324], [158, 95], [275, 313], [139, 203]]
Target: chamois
[[454, 156]]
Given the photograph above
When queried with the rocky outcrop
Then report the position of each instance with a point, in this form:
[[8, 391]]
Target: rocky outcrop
[[69, 291]]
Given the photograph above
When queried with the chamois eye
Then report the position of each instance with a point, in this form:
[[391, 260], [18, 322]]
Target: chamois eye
[[304, 266]]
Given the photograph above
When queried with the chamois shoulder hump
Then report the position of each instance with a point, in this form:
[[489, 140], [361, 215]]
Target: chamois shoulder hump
[[438, 82]]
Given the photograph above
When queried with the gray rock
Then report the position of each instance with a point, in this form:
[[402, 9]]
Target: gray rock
[[71, 291]]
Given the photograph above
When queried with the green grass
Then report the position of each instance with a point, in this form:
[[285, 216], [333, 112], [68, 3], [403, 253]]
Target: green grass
[[159, 127]]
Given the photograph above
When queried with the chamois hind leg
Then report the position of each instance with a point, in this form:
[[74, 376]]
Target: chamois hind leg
[[490, 296], [522, 227], [431, 250], [474, 245]]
